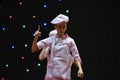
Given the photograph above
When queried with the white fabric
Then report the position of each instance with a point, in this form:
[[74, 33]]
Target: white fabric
[[53, 32], [60, 18]]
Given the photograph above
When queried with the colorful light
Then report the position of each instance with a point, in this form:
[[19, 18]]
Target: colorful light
[[20, 3], [27, 70], [44, 23], [2, 78], [67, 11], [34, 16], [38, 64], [23, 26], [26, 45], [59, 0], [44, 5], [6, 65], [22, 57], [13, 46], [3, 28], [10, 17]]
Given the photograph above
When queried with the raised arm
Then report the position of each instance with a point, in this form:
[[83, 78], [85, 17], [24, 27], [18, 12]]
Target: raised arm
[[34, 44]]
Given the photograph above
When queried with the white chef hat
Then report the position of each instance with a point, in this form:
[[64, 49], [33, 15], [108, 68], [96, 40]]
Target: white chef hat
[[60, 18]]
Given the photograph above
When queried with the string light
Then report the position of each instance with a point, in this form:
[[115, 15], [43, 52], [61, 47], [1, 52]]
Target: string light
[[13, 46], [44, 23], [45, 5], [59, 0], [20, 3], [25, 45], [67, 11], [22, 57], [6, 65], [38, 64], [3, 78], [34, 16], [23, 26], [10, 17], [27, 70], [3, 28]]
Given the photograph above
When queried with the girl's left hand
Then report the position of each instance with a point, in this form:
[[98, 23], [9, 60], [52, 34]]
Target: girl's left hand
[[80, 73]]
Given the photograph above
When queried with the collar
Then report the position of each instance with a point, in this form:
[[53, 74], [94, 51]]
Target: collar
[[65, 36]]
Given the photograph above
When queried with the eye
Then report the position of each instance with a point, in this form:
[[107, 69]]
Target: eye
[[60, 26]]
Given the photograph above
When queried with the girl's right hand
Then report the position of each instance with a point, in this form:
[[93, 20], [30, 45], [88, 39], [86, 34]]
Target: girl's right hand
[[38, 33]]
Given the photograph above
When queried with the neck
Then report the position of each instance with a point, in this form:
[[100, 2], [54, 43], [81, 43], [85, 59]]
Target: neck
[[60, 35]]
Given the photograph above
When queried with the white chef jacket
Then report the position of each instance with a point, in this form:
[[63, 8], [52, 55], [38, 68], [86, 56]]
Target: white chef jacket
[[62, 53]]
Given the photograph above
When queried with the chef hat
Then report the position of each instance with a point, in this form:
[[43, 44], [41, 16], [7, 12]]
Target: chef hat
[[60, 18], [53, 32]]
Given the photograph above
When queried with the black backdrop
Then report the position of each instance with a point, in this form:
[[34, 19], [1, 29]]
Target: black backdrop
[[93, 25]]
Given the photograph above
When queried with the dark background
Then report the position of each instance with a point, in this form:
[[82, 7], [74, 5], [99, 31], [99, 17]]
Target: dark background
[[93, 25]]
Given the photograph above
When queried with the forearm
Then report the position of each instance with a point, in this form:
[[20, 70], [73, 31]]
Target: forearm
[[77, 62], [34, 44], [42, 54], [80, 73]]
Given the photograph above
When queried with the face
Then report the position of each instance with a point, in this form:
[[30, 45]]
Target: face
[[61, 28]]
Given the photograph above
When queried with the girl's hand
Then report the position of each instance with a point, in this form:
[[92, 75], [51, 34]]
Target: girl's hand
[[80, 73], [38, 33]]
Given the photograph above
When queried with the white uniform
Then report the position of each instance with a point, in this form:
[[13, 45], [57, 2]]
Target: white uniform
[[63, 51]]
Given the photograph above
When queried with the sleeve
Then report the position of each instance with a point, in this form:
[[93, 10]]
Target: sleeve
[[46, 52], [74, 51], [43, 43]]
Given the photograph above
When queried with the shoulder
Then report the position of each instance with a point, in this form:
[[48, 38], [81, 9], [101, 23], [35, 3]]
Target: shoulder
[[70, 38], [53, 32]]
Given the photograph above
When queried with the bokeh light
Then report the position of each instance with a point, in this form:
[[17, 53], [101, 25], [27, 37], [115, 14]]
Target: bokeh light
[[20, 3]]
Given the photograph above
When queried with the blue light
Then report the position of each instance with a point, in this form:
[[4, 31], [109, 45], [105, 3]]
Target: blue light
[[3, 28], [44, 23], [33, 34], [59, 0], [44, 5], [13, 46]]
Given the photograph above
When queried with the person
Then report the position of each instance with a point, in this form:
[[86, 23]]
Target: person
[[61, 46]]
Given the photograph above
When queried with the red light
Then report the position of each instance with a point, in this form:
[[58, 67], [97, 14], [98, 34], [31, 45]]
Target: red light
[[3, 79], [34, 17], [20, 3], [10, 17], [22, 57]]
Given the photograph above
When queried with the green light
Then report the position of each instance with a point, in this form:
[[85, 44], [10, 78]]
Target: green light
[[23, 26], [6, 65], [67, 11], [38, 64], [27, 70], [25, 45]]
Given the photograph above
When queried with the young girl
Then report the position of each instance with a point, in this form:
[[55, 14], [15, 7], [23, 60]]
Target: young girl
[[61, 46]]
